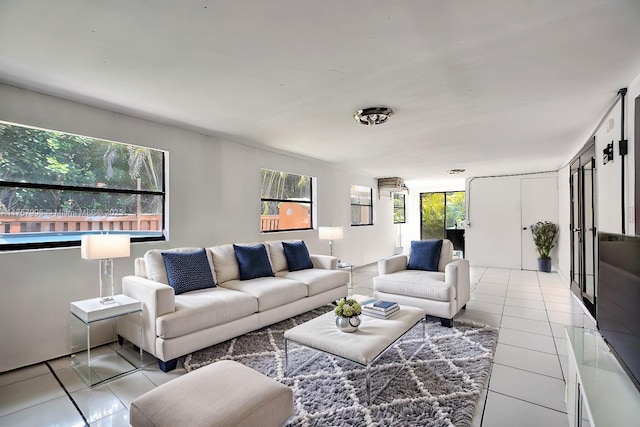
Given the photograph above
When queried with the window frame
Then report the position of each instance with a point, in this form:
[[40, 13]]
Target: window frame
[[53, 244], [310, 202], [404, 208], [360, 205]]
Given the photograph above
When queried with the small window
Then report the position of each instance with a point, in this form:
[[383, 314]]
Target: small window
[[361, 205], [286, 201], [55, 187], [398, 208]]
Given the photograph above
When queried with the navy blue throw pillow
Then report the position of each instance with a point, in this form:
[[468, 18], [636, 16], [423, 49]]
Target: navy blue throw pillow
[[188, 271], [425, 255], [297, 255], [253, 261]]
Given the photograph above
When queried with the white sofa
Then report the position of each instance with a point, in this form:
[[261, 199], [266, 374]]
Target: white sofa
[[175, 325], [441, 293]]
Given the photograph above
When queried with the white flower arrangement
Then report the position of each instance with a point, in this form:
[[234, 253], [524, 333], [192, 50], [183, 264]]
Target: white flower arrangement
[[348, 308]]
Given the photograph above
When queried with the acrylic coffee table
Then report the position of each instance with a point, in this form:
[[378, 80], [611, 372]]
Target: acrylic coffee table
[[373, 337]]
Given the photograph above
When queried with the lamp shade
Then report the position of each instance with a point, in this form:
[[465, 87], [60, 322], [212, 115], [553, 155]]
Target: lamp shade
[[105, 246], [330, 233]]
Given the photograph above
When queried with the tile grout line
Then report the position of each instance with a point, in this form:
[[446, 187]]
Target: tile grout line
[[526, 401], [86, 423]]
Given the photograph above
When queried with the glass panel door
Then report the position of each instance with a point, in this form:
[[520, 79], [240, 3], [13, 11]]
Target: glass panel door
[[583, 227], [442, 216]]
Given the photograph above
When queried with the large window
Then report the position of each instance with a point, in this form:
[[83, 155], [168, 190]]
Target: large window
[[55, 187], [287, 202], [361, 205], [399, 208]]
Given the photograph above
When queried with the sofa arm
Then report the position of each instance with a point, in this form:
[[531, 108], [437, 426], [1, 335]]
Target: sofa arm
[[456, 274], [392, 264], [156, 298], [325, 262]]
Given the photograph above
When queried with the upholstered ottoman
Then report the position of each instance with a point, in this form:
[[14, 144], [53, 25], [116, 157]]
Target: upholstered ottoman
[[225, 393]]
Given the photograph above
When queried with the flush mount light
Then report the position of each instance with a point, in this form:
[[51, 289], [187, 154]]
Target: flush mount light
[[455, 171], [373, 115]]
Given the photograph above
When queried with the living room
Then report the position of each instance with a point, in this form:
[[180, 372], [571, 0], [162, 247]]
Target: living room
[[213, 193]]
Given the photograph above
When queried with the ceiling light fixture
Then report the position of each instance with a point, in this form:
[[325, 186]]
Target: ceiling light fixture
[[456, 171], [373, 115]]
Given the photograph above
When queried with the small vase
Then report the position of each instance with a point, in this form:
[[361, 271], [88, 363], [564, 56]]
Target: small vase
[[544, 265], [348, 324]]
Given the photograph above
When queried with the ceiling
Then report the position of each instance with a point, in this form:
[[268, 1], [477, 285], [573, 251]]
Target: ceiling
[[492, 86]]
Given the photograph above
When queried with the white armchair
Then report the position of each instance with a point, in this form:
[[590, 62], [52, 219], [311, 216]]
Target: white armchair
[[441, 293]]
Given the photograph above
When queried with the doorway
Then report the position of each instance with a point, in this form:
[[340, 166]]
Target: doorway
[[442, 216], [538, 202], [582, 182]]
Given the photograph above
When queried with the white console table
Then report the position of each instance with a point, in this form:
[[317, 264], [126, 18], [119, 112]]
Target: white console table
[[598, 392]]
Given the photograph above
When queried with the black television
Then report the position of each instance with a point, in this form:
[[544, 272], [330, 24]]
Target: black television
[[618, 299]]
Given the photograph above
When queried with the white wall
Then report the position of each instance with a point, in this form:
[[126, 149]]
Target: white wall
[[608, 177], [214, 192], [493, 237]]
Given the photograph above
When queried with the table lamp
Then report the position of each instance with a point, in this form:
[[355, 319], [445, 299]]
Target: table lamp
[[105, 247], [330, 234]]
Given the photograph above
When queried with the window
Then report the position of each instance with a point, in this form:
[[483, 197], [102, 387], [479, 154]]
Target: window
[[361, 205], [398, 208], [286, 202], [55, 187]]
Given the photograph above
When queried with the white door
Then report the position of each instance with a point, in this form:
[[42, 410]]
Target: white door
[[539, 202]]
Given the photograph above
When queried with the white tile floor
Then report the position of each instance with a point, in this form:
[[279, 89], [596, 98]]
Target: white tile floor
[[526, 387]]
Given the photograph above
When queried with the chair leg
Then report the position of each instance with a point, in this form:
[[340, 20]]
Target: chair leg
[[167, 366], [446, 322]]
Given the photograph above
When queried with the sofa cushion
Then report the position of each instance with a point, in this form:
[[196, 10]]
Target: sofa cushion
[[225, 264], [203, 309], [446, 255], [416, 283], [276, 255], [154, 264], [253, 261], [297, 255], [188, 271], [318, 280], [271, 292], [425, 255]]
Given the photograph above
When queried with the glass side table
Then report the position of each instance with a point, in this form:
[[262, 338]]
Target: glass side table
[[101, 364], [347, 266]]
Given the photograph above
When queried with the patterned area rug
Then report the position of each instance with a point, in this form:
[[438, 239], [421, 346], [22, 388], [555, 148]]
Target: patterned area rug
[[432, 381]]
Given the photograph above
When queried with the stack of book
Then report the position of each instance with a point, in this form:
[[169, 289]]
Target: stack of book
[[380, 309]]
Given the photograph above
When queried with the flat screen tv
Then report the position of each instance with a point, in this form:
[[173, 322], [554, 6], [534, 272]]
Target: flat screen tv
[[618, 298]]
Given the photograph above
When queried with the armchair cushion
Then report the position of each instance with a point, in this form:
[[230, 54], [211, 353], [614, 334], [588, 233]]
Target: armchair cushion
[[253, 261], [188, 271], [297, 255], [425, 255]]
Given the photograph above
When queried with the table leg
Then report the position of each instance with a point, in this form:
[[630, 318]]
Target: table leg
[[368, 381], [286, 356]]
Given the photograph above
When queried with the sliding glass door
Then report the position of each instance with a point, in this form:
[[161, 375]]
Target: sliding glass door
[[442, 216]]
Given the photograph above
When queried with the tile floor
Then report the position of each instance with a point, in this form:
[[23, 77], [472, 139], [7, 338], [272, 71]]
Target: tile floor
[[526, 387]]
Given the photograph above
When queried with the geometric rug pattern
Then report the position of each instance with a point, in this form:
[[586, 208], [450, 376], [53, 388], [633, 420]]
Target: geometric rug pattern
[[433, 379]]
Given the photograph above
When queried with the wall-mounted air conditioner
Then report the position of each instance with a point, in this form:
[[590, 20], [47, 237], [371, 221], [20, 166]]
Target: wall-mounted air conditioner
[[387, 186], [392, 184]]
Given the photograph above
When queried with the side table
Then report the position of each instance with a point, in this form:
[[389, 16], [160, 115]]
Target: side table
[[347, 266], [99, 365]]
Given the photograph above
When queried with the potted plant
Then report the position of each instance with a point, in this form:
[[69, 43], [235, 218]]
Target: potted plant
[[545, 234], [348, 315]]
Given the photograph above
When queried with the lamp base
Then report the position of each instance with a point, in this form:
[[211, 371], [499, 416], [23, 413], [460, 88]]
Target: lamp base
[[106, 281]]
